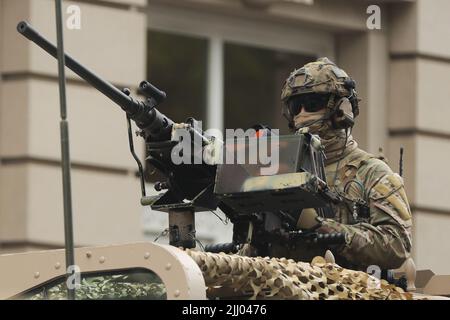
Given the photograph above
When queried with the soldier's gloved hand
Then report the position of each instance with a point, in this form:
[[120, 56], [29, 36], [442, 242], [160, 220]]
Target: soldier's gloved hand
[[309, 220]]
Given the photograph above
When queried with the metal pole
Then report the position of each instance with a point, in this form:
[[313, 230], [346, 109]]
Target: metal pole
[[215, 108], [65, 154]]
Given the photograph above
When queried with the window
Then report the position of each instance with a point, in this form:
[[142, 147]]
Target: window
[[253, 78], [177, 65], [136, 284], [253, 81]]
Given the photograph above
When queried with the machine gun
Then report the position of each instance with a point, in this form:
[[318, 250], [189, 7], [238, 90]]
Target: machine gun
[[263, 209]]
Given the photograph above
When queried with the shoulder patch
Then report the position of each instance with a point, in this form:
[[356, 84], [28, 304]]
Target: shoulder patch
[[391, 190]]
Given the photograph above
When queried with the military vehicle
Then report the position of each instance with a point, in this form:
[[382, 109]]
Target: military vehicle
[[264, 209], [159, 272]]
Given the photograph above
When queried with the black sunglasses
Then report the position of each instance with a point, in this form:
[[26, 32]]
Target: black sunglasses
[[312, 102]]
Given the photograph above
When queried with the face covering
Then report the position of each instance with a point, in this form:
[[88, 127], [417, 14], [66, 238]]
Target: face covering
[[308, 119], [336, 142]]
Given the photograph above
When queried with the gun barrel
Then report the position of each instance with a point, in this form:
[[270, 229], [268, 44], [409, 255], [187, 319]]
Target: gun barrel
[[156, 125], [127, 103]]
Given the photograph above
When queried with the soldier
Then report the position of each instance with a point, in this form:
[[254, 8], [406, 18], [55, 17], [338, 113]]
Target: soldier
[[375, 215]]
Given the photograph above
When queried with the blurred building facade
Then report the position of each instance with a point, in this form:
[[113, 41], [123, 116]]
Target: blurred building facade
[[223, 61]]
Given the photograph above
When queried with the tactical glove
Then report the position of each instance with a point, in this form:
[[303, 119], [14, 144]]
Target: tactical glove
[[309, 220]]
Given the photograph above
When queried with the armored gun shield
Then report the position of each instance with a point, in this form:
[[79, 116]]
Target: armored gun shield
[[295, 181]]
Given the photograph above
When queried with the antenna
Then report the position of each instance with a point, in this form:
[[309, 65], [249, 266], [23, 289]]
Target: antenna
[[400, 164], [65, 154]]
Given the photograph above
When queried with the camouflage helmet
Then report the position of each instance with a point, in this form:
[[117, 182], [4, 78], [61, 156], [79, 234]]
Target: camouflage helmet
[[321, 77]]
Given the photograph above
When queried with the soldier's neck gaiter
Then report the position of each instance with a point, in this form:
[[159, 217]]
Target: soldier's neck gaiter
[[335, 141]]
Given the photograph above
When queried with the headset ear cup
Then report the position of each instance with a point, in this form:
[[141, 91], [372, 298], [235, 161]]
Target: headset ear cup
[[343, 117]]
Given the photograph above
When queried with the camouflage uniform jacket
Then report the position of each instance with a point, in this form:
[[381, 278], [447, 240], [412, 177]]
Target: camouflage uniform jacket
[[382, 238]]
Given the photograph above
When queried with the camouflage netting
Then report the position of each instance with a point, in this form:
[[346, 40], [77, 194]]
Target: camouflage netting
[[287, 279]]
